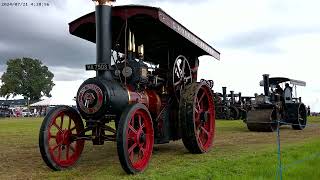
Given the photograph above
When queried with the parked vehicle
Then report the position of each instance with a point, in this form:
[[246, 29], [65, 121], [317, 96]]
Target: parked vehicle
[[4, 111], [26, 113]]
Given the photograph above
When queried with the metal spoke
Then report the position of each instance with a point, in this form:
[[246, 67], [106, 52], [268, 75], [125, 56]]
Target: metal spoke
[[52, 136], [177, 83], [141, 152], [197, 104], [69, 125], [199, 140], [59, 152], [130, 151], [197, 123], [74, 127], [201, 97], [55, 147], [131, 155], [196, 110], [205, 131], [139, 120], [56, 125], [61, 122], [178, 71], [141, 124], [67, 151], [132, 129], [132, 147], [183, 67], [187, 78]]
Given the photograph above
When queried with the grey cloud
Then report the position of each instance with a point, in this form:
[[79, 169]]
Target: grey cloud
[[257, 40], [68, 74], [42, 34], [263, 39], [249, 39]]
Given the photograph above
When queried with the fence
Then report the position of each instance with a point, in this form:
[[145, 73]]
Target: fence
[[281, 167]]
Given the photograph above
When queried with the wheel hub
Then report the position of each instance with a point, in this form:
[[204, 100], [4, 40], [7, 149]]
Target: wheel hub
[[204, 116], [63, 137], [142, 138]]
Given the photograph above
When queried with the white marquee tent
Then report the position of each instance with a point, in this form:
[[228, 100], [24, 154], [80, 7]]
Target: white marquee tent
[[54, 102]]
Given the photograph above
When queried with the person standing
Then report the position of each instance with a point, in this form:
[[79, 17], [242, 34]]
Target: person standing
[[288, 93]]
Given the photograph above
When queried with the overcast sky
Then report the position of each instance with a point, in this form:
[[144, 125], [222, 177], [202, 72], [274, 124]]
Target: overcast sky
[[280, 38]]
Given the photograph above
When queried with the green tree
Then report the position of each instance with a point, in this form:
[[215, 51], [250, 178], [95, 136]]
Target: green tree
[[27, 77]]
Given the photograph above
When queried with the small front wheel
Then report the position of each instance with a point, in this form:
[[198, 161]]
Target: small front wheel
[[135, 138], [58, 132]]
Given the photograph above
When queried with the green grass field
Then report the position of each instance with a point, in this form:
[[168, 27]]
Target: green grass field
[[237, 154]]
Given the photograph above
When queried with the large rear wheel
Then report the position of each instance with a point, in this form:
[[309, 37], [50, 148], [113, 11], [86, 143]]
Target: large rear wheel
[[135, 138], [57, 138], [300, 120], [197, 116]]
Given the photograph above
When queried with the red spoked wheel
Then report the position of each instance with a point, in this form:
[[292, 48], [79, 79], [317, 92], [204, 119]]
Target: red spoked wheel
[[57, 139], [197, 117], [135, 138]]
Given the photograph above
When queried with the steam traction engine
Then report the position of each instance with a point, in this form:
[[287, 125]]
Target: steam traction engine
[[277, 104], [145, 83], [229, 108]]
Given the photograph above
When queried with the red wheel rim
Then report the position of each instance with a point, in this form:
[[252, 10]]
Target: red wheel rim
[[204, 118], [139, 139], [63, 150]]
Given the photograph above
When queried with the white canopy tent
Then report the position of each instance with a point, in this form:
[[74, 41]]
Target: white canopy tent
[[54, 102]]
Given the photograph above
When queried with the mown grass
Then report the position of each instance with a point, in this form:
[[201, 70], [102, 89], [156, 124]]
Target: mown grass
[[238, 154]]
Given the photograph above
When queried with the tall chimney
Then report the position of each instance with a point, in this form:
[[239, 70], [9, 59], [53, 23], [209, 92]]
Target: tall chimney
[[232, 97], [103, 36], [240, 98], [224, 94], [266, 84]]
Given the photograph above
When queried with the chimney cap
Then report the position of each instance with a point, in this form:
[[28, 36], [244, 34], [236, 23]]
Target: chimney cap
[[104, 2]]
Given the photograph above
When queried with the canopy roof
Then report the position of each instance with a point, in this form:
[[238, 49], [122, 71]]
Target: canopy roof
[[152, 27], [277, 80]]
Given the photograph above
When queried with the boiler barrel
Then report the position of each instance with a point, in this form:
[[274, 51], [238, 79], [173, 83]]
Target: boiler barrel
[[98, 97]]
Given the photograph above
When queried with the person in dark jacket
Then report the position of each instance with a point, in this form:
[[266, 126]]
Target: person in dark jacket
[[279, 90]]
